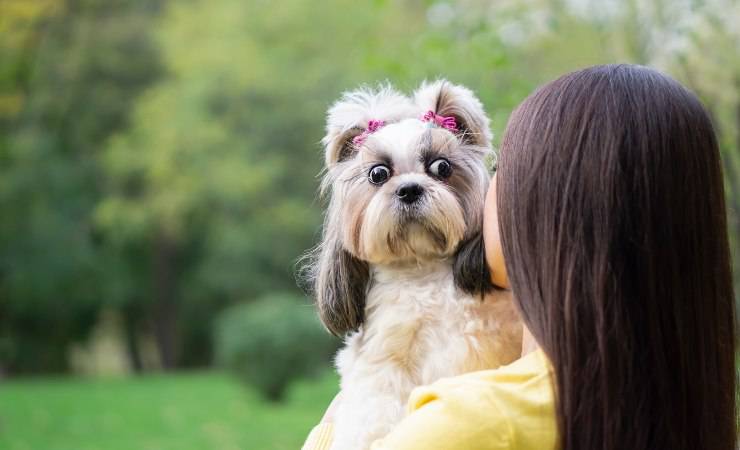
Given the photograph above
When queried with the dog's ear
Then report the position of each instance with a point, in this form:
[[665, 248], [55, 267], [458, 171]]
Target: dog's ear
[[350, 116], [473, 128], [447, 99], [470, 269], [339, 279], [340, 287]]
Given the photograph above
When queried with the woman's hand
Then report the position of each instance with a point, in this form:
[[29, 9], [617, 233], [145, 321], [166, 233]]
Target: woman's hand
[[331, 410]]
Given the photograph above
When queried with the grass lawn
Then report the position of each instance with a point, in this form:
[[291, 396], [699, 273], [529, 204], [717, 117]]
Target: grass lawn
[[208, 411]]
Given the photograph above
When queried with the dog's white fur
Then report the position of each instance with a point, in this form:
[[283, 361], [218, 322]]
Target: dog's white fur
[[397, 277], [419, 328]]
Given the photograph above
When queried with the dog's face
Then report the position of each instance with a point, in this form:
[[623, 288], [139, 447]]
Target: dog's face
[[404, 189]]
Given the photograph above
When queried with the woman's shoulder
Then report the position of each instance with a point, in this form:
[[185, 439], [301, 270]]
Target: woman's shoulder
[[505, 408], [529, 370]]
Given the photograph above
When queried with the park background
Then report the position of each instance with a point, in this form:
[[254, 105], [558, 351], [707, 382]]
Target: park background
[[158, 184]]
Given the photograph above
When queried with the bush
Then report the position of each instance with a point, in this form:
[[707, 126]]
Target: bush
[[271, 342]]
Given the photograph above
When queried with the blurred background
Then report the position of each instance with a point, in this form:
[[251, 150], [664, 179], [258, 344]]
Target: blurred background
[[158, 184]]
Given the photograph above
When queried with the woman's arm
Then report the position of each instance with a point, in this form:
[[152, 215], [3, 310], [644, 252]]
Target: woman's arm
[[320, 437], [440, 419], [432, 421]]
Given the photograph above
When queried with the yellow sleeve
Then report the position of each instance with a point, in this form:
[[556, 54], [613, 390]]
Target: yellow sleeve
[[444, 416], [320, 437], [454, 419]]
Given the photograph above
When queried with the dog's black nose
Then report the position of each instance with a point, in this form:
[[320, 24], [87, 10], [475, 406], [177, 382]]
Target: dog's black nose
[[409, 192]]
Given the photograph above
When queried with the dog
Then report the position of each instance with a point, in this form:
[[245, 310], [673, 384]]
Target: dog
[[400, 271]]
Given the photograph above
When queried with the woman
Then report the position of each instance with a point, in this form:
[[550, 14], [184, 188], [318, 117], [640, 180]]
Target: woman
[[610, 205]]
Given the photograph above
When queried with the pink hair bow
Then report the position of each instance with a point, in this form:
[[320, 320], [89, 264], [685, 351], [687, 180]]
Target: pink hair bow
[[372, 127], [442, 121]]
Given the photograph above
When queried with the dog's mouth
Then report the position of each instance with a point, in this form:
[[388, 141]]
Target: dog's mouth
[[425, 229], [409, 214]]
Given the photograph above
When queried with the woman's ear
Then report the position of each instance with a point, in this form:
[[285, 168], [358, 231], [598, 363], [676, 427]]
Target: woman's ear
[[492, 240], [351, 114], [447, 99]]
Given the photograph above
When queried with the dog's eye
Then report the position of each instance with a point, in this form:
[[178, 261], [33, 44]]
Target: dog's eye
[[379, 174], [440, 168]]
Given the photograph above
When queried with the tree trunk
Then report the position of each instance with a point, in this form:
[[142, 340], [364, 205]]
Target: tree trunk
[[131, 329], [165, 302]]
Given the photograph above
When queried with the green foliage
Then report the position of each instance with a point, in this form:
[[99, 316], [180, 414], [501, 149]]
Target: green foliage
[[159, 157], [64, 88], [187, 411], [272, 342]]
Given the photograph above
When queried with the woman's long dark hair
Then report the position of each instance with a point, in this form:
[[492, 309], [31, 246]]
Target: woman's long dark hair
[[612, 219]]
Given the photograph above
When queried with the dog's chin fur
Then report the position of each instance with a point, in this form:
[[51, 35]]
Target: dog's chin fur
[[405, 283], [409, 243]]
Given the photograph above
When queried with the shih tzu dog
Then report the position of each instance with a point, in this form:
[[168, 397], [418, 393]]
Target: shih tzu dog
[[400, 271]]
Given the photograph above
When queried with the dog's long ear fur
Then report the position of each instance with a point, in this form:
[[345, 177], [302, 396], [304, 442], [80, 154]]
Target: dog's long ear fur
[[349, 117], [447, 99], [340, 289], [336, 278], [470, 270]]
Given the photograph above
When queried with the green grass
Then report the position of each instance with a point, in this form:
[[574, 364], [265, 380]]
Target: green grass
[[208, 411]]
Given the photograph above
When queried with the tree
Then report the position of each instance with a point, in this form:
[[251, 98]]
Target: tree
[[73, 68], [217, 176]]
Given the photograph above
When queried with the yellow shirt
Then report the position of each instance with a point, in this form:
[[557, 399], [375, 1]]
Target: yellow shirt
[[507, 408]]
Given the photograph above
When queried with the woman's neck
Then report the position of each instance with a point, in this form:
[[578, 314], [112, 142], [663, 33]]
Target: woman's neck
[[529, 344]]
